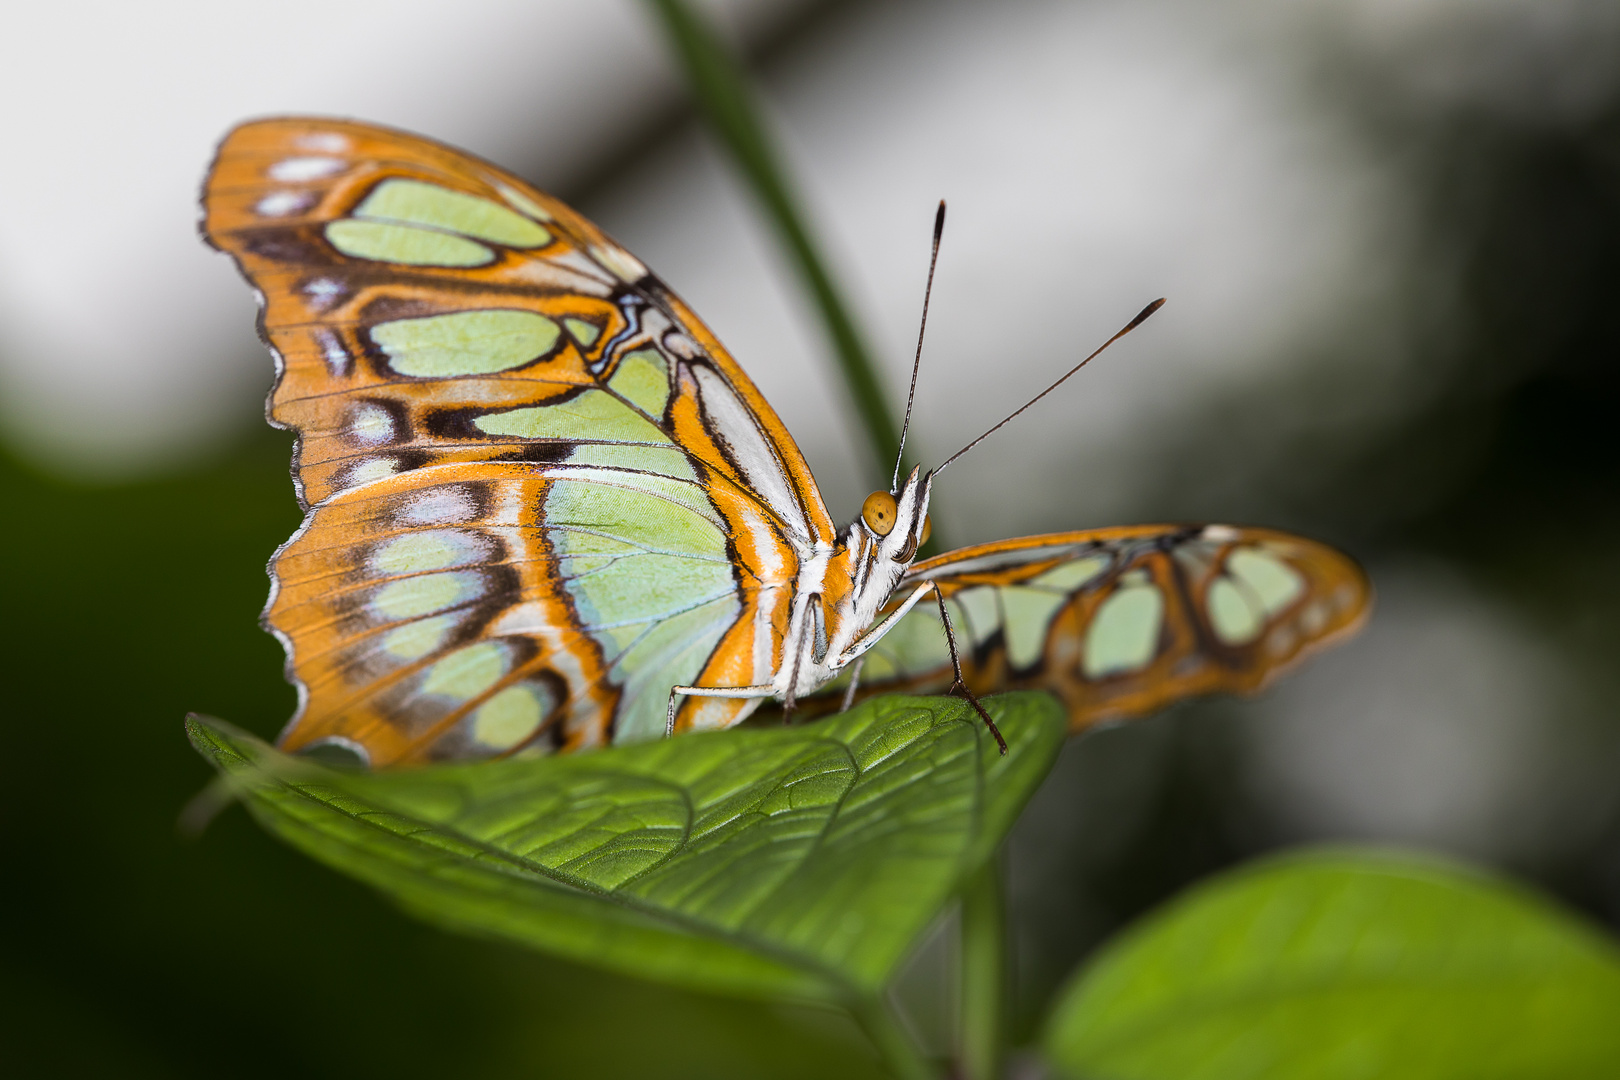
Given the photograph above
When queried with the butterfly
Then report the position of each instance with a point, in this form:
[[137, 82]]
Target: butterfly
[[545, 510]]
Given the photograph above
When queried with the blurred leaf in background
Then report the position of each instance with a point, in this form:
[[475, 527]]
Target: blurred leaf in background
[[133, 952], [1341, 964]]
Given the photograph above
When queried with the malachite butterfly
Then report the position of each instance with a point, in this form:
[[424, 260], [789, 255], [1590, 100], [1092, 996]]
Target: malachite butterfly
[[540, 494]]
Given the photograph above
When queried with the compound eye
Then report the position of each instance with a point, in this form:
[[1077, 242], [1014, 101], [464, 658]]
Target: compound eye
[[878, 511], [928, 527]]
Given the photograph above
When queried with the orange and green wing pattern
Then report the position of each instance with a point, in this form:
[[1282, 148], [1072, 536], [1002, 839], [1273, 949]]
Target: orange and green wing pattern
[[538, 490], [1121, 622]]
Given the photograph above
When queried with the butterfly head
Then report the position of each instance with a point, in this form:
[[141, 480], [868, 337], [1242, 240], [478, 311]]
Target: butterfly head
[[894, 524]]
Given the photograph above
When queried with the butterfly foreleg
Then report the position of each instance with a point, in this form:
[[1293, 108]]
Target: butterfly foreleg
[[767, 690], [854, 681], [791, 697], [875, 634], [956, 670]]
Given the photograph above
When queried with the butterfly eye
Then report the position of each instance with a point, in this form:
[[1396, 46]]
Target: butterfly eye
[[928, 527], [878, 512]]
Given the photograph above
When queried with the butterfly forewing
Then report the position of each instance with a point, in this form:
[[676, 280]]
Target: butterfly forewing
[[539, 490], [1121, 622]]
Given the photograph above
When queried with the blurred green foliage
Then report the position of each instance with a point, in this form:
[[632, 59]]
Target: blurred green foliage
[[1339, 964], [131, 951]]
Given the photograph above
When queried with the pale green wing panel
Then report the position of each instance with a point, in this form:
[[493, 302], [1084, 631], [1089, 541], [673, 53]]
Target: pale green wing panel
[[644, 560], [667, 653], [985, 614]]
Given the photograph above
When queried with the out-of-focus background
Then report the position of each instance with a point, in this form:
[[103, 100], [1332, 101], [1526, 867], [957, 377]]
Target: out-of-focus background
[[1390, 235]]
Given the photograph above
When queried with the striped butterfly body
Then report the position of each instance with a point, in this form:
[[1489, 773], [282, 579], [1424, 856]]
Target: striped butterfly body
[[540, 496]]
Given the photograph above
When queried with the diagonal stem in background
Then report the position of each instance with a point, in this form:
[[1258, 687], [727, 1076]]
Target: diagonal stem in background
[[726, 100]]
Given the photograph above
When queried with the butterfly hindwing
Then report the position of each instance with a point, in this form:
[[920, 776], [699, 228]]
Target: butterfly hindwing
[[1121, 622], [539, 491]]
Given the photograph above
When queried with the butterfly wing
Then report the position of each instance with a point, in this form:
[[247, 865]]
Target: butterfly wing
[[539, 492], [1121, 622]]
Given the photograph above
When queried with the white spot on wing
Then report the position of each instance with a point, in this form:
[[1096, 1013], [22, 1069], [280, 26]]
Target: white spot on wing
[[526, 618], [682, 346], [328, 142], [298, 169], [322, 292], [442, 506], [371, 425], [570, 269], [624, 265], [283, 203], [333, 352], [366, 471]]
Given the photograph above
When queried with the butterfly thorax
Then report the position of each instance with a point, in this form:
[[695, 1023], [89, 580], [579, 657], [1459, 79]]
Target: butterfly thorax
[[839, 601]]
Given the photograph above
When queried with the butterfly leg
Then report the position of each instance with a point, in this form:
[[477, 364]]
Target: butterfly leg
[[956, 667], [766, 690], [854, 681], [875, 634]]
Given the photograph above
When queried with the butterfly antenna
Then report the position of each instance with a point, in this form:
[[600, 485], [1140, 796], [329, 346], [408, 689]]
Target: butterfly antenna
[[1132, 325], [916, 363]]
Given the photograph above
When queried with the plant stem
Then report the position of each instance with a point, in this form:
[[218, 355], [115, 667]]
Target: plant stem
[[984, 972], [899, 1052], [727, 102]]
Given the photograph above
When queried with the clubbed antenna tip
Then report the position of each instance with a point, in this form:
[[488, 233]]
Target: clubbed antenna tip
[[916, 363], [1127, 328]]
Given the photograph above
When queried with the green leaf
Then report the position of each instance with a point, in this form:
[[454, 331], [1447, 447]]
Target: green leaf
[[1341, 963], [727, 102], [787, 862]]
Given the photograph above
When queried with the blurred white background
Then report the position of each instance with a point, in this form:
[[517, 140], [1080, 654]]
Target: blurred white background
[[125, 344], [1095, 155]]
